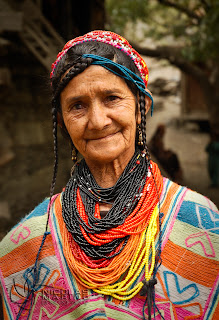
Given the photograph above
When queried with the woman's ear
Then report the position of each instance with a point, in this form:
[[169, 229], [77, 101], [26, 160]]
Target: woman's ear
[[148, 103], [139, 115], [61, 125], [59, 119]]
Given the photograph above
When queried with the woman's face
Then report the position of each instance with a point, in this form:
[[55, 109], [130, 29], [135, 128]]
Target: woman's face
[[99, 112]]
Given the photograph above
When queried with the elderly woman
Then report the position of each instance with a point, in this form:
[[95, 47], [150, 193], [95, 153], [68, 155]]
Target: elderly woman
[[120, 241]]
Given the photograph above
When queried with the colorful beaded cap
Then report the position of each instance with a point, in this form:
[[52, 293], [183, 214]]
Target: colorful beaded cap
[[114, 40]]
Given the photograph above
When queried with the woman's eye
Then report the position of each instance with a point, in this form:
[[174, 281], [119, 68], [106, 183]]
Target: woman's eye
[[77, 106], [112, 98]]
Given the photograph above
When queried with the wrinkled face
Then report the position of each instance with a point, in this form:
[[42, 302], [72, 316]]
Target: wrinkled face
[[99, 112]]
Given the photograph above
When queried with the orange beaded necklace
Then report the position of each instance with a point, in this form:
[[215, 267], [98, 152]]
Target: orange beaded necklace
[[99, 273]]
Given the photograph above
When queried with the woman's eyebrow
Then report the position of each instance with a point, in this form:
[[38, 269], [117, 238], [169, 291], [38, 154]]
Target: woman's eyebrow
[[74, 98], [104, 91], [112, 91]]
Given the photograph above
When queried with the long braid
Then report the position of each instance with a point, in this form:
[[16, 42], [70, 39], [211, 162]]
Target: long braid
[[55, 150], [34, 271], [74, 70], [143, 118], [158, 257]]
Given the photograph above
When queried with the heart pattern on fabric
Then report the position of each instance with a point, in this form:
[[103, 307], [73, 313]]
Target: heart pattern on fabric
[[21, 232], [177, 294], [204, 240]]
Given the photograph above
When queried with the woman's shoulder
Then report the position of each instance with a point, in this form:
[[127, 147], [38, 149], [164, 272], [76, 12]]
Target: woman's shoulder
[[199, 211], [30, 227], [188, 206]]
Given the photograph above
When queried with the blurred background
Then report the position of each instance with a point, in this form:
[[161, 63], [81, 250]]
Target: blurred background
[[179, 41]]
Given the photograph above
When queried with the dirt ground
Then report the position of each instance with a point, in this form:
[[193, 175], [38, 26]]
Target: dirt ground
[[186, 140]]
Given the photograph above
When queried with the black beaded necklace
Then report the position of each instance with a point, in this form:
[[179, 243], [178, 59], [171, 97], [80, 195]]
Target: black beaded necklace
[[123, 196]]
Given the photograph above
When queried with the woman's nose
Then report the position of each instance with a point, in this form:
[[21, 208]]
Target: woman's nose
[[98, 116]]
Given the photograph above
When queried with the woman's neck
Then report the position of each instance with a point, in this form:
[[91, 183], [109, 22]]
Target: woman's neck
[[107, 174]]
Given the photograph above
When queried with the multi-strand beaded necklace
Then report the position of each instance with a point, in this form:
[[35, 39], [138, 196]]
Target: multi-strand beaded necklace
[[100, 250]]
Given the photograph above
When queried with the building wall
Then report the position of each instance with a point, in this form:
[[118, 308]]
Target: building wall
[[193, 100], [26, 143]]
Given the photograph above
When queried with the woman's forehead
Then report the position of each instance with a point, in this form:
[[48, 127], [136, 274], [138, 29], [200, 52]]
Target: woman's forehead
[[99, 78]]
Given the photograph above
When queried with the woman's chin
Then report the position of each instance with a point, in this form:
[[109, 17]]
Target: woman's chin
[[108, 154], [103, 156], [110, 149]]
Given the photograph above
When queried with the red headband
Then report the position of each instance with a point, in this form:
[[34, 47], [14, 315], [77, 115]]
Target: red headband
[[114, 40]]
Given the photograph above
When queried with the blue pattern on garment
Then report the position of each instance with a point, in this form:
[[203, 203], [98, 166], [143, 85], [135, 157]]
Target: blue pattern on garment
[[168, 274], [199, 215]]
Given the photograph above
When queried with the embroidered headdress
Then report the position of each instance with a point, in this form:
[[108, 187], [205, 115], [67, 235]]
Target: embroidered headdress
[[112, 39]]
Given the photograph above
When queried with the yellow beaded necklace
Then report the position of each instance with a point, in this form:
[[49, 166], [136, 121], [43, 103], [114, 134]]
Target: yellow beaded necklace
[[141, 260]]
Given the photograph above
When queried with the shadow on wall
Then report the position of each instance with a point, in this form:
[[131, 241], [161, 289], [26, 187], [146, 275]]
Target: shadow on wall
[[26, 146]]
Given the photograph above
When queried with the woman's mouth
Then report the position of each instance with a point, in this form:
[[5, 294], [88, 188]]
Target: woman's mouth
[[104, 137]]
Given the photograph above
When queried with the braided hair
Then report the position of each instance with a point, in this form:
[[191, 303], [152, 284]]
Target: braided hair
[[73, 64], [70, 65]]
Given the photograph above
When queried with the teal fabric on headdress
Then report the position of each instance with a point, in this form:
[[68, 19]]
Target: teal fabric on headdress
[[126, 73]]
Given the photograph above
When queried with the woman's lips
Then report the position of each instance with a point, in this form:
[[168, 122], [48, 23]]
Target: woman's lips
[[105, 137]]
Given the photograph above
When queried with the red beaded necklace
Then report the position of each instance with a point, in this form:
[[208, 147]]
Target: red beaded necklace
[[134, 224]]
